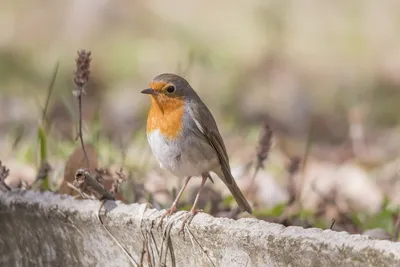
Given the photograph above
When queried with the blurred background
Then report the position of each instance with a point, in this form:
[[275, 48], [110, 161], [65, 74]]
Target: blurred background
[[324, 75]]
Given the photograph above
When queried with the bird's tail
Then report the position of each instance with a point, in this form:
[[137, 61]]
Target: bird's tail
[[239, 197], [229, 181]]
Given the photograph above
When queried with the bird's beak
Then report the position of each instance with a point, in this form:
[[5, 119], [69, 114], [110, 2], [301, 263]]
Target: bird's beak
[[149, 91]]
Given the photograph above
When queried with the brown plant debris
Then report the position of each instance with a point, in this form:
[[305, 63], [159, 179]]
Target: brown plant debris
[[4, 172], [87, 184], [75, 162], [118, 180], [44, 171]]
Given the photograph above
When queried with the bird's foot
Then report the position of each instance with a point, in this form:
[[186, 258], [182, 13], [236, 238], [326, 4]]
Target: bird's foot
[[189, 217], [168, 212]]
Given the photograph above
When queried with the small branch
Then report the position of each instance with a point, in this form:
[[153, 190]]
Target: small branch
[[81, 78], [86, 183], [332, 224], [83, 194], [131, 259], [4, 172]]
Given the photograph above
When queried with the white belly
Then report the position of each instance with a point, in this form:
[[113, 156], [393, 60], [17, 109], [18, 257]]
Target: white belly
[[186, 157]]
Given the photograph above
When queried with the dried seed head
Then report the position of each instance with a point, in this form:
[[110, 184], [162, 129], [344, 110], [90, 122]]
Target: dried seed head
[[82, 71], [264, 144]]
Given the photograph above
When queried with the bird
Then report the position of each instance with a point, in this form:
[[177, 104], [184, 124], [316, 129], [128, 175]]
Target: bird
[[184, 138]]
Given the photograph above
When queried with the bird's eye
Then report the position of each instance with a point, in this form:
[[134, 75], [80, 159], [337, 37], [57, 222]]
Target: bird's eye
[[171, 89]]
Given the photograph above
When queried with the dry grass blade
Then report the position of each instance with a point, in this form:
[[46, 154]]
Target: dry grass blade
[[195, 242], [88, 184], [4, 172], [131, 259], [332, 224], [81, 78], [50, 89]]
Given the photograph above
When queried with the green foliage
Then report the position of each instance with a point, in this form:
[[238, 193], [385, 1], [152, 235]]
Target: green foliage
[[383, 219], [228, 200], [276, 211]]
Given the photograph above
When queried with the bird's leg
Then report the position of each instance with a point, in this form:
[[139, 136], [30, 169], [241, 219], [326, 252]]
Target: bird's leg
[[172, 209], [194, 211]]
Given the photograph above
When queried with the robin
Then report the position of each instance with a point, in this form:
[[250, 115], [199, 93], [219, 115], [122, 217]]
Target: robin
[[184, 137]]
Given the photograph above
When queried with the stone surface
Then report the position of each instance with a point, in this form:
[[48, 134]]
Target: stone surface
[[44, 229]]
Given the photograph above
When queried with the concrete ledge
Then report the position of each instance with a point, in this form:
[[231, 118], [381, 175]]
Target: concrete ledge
[[44, 229]]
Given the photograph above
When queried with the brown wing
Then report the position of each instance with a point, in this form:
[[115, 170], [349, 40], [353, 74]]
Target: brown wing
[[206, 127], [209, 129]]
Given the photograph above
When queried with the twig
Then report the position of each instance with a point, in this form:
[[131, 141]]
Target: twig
[[4, 172], [306, 157], [83, 194], [131, 259], [143, 252], [195, 242], [81, 78], [332, 224], [85, 182]]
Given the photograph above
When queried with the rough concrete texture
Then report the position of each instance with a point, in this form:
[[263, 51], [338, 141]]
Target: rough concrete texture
[[44, 229]]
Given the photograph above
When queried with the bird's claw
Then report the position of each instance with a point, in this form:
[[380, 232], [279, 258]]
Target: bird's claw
[[168, 212], [188, 220]]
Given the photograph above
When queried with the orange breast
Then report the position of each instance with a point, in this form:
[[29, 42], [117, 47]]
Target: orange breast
[[166, 115]]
